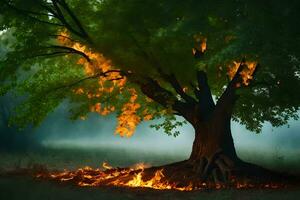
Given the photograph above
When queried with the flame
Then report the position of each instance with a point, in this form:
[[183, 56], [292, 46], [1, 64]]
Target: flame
[[155, 182], [246, 73], [135, 177], [87, 176], [105, 165]]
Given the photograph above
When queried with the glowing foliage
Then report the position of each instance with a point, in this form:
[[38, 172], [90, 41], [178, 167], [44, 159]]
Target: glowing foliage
[[128, 119], [97, 63], [246, 73], [200, 44], [166, 38], [147, 116]]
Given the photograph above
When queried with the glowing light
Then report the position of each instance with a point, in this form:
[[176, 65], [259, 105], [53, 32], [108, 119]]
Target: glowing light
[[97, 63], [135, 177], [128, 119], [105, 165], [79, 91], [246, 74], [200, 44], [130, 177], [203, 45]]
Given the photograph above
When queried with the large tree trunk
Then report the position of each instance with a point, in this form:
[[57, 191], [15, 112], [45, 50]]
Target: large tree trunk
[[213, 154], [213, 137]]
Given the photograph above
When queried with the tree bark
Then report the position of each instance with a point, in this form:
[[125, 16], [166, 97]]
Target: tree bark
[[213, 153], [211, 137]]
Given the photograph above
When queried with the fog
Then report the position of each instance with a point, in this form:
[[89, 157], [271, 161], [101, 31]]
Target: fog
[[273, 147]]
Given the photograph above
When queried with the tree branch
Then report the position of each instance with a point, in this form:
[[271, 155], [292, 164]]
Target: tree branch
[[27, 14], [27, 11], [60, 15], [102, 74], [153, 90], [203, 93], [228, 98], [63, 36], [178, 88], [56, 53], [71, 50], [73, 16], [171, 79]]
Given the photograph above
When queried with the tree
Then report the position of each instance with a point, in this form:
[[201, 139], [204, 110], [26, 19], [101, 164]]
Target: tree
[[207, 61]]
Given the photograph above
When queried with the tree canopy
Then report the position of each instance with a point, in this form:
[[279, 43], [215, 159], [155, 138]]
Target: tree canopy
[[101, 55]]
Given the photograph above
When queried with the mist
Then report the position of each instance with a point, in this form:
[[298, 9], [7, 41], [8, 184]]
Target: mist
[[276, 148]]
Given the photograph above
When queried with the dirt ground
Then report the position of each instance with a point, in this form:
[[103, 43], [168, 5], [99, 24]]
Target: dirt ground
[[26, 188]]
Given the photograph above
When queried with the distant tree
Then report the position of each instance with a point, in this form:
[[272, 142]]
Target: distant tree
[[207, 61]]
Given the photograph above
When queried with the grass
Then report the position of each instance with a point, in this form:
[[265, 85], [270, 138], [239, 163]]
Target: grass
[[75, 158]]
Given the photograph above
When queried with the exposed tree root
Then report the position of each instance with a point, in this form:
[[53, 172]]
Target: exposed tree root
[[219, 171]]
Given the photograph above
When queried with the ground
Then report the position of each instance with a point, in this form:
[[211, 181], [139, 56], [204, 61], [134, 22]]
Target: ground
[[27, 188]]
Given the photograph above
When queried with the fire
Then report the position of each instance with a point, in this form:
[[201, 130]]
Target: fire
[[155, 182], [105, 165], [108, 176], [136, 177], [246, 73]]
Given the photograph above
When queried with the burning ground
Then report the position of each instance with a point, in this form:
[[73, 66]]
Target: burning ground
[[143, 176], [56, 182], [136, 177]]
